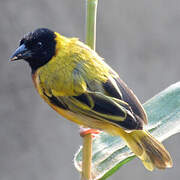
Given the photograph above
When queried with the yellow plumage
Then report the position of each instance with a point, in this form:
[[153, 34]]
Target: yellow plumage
[[79, 85], [60, 73]]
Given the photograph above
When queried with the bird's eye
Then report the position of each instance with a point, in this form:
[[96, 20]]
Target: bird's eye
[[39, 44], [21, 41]]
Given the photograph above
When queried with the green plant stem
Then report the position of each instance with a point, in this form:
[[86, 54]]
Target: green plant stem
[[87, 157], [91, 10]]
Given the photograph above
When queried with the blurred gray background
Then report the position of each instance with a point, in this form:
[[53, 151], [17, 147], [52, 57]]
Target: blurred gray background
[[140, 39]]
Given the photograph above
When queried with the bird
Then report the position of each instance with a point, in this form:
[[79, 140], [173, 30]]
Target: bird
[[79, 85]]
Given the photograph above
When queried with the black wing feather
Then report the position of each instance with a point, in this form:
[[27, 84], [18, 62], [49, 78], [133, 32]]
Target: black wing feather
[[126, 95], [131, 99], [111, 90], [56, 101], [109, 109]]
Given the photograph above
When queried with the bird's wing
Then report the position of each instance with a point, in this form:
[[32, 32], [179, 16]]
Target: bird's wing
[[105, 108], [100, 95], [100, 107], [115, 87]]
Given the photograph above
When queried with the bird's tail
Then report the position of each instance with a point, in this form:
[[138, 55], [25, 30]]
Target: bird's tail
[[151, 152]]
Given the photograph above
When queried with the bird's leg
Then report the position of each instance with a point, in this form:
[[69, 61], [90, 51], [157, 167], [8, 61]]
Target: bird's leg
[[85, 131]]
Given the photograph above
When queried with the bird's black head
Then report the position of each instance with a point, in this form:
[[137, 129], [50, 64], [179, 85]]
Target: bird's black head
[[37, 48]]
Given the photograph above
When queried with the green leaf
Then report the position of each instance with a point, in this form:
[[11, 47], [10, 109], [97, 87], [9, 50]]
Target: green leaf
[[110, 152]]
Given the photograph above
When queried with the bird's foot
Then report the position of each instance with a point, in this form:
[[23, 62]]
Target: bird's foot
[[85, 131]]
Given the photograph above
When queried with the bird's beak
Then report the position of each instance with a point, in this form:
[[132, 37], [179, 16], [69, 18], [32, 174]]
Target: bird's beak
[[21, 53]]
